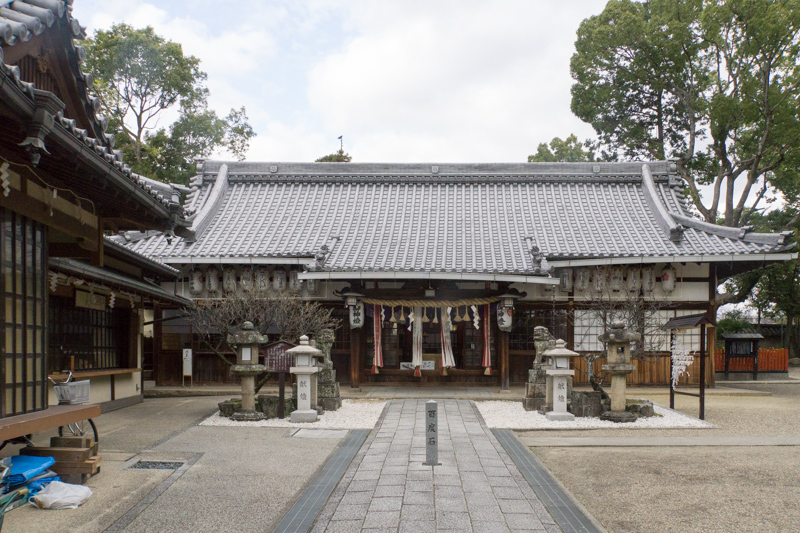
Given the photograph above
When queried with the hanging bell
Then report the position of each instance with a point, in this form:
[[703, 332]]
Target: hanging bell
[[425, 318], [435, 315], [393, 319]]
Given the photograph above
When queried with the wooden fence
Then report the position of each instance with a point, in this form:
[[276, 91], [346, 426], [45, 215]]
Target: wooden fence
[[769, 360], [651, 371]]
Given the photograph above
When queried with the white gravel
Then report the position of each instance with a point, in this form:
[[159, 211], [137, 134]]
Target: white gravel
[[354, 414], [511, 415]]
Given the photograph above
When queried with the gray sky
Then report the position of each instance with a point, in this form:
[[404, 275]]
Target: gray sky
[[406, 80]]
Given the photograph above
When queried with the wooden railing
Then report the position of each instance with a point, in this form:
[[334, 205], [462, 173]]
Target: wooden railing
[[769, 360]]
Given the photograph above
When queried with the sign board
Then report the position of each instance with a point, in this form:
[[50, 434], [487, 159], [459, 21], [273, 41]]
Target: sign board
[[247, 353], [276, 358], [426, 365], [431, 434], [90, 301], [187, 362]]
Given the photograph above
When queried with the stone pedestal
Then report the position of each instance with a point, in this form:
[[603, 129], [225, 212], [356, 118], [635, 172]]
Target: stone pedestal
[[328, 397], [536, 388], [561, 375], [246, 342], [618, 341]]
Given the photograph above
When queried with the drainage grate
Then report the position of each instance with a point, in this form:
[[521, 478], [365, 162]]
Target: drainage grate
[[156, 465]]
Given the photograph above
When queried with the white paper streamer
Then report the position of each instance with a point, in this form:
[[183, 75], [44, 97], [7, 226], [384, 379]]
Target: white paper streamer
[[476, 319]]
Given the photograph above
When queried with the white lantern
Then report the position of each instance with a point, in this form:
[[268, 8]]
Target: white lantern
[[582, 279], [356, 315], [279, 280], [212, 280], [600, 279], [262, 279], [229, 279], [196, 282], [566, 279], [634, 280], [295, 283], [668, 279], [312, 286], [648, 279], [615, 278], [504, 315], [246, 278]]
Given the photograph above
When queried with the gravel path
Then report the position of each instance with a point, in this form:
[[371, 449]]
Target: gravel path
[[511, 415], [354, 414]]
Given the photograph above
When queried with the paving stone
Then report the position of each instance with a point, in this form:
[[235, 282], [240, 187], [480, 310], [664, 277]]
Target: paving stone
[[418, 498], [417, 512], [419, 486], [395, 479], [363, 475], [515, 506], [344, 526], [386, 504], [417, 526], [487, 513], [350, 512], [523, 521], [389, 490], [508, 493], [378, 519], [489, 527], [447, 480], [356, 498], [501, 481], [455, 521], [456, 505], [480, 499], [366, 485]]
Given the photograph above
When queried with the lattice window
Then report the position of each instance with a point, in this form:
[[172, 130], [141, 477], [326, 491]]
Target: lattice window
[[525, 320], [23, 260]]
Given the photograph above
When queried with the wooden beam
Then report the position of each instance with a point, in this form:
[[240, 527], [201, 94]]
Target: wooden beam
[[67, 249], [52, 417], [502, 341], [355, 359]]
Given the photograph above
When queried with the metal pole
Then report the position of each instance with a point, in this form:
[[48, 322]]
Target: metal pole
[[702, 372], [431, 434], [671, 383], [281, 395]]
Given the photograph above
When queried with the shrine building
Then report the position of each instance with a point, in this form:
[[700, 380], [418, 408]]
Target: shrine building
[[440, 272]]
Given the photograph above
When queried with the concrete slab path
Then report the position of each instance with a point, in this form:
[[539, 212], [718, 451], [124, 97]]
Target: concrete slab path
[[478, 487]]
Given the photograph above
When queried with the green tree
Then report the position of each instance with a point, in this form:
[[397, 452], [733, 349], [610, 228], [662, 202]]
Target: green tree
[[337, 157], [139, 75], [714, 85], [568, 150]]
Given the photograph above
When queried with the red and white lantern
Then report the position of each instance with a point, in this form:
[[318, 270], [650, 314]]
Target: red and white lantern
[[668, 279]]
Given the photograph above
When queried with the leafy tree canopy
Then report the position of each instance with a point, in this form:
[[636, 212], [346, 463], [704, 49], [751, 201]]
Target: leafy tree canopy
[[714, 85], [138, 76], [337, 157], [568, 150]]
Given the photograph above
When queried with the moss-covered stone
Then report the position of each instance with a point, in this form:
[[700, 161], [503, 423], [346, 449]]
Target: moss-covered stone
[[227, 408]]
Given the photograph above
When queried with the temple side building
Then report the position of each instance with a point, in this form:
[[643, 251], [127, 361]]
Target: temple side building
[[441, 271], [72, 299]]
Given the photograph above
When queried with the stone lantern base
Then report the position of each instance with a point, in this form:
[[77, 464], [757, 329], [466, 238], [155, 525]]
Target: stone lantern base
[[248, 416], [618, 416]]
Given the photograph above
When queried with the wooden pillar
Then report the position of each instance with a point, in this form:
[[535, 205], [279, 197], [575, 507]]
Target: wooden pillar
[[355, 357], [158, 362], [711, 368], [503, 355]]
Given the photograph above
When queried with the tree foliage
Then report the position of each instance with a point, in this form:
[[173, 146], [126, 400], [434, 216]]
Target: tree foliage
[[337, 157], [568, 150], [714, 85], [138, 77]]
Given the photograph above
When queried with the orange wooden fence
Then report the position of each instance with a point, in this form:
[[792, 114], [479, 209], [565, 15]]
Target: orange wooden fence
[[769, 359], [652, 371]]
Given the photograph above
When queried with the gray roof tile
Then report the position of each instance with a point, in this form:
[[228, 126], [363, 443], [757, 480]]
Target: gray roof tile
[[465, 218]]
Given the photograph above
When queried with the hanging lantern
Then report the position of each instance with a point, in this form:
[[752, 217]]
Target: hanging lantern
[[279, 280], [504, 317], [668, 279], [246, 278], [634, 280], [356, 315], [229, 279], [615, 278], [212, 280], [312, 286], [648, 279], [565, 277], [262, 279], [582, 280], [196, 282], [295, 283], [600, 279]]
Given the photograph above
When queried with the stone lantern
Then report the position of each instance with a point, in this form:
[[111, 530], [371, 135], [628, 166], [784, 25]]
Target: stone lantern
[[618, 341], [305, 368], [246, 342], [561, 376]]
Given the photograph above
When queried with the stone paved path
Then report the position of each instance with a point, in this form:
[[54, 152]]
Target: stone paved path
[[477, 487]]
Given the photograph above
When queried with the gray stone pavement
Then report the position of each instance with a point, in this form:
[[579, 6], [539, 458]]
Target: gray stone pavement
[[477, 487]]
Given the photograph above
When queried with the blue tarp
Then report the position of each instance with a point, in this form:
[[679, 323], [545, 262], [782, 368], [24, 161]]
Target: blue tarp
[[26, 467]]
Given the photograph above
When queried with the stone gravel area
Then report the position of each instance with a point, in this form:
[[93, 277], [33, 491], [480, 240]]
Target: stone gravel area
[[709, 488]]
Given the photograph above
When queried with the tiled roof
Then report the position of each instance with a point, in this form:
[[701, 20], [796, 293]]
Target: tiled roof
[[443, 218], [20, 21]]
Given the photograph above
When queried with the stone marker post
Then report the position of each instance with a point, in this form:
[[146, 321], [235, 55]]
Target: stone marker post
[[618, 341], [561, 375], [431, 434], [305, 368], [245, 342]]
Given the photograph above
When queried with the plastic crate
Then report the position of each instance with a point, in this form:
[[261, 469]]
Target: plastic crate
[[72, 393]]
